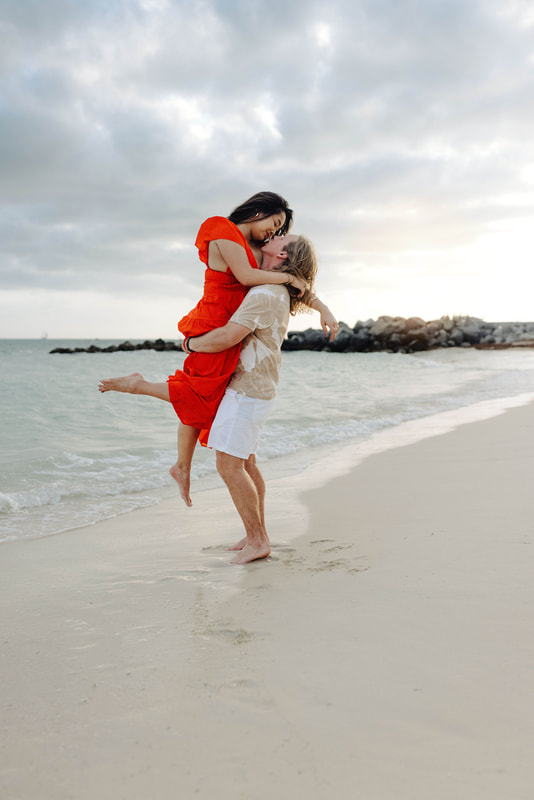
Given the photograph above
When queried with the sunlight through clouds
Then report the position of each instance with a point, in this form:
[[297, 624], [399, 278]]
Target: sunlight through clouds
[[267, 119], [323, 35], [154, 5], [185, 115], [520, 12]]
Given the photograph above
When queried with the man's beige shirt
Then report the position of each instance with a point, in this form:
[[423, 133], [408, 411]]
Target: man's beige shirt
[[265, 310]]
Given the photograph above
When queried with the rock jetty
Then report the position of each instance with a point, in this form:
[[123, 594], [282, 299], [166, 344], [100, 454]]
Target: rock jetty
[[393, 334], [157, 344], [400, 335]]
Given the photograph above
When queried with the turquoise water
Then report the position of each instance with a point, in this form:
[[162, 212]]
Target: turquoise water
[[71, 456]]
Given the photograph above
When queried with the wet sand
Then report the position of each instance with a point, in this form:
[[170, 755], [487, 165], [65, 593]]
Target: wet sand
[[383, 651]]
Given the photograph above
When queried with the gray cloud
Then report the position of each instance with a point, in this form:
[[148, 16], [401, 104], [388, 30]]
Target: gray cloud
[[390, 125]]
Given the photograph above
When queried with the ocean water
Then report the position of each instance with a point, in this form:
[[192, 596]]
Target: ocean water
[[71, 456]]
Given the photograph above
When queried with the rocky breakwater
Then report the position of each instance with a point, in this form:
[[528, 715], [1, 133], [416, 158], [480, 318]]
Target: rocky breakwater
[[400, 335], [157, 344]]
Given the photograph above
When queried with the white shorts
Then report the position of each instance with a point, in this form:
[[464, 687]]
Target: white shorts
[[237, 424]]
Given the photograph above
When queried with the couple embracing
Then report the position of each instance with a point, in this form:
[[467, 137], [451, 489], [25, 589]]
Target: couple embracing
[[257, 274]]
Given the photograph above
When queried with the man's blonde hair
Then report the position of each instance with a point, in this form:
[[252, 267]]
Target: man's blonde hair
[[302, 262]]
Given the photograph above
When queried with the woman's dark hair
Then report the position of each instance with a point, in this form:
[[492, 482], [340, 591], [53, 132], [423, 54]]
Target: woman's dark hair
[[260, 206]]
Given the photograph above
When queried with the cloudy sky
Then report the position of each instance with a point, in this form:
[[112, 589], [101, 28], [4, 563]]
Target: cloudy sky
[[400, 131]]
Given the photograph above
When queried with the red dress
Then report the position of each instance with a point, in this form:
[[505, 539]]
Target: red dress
[[196, 390]]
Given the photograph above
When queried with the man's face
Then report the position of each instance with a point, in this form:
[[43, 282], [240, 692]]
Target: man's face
[[273, 251]]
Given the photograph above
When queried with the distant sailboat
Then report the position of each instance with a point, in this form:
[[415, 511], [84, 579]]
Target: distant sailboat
[[44, 335]]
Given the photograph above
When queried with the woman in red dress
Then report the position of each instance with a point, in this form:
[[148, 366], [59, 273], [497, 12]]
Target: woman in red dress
[[230, 249]]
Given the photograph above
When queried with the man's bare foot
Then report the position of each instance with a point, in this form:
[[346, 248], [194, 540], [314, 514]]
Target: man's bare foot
[[127, 383], [240, 545], [252, 552], [182, 478]]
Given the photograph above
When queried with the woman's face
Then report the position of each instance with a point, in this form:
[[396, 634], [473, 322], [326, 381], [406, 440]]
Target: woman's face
[[263, 229]]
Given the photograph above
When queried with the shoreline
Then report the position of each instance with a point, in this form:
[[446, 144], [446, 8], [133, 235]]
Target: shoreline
[[313, 462], [383, 650], [86, 465]]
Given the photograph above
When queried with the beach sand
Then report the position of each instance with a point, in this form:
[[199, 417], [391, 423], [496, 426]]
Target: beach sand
[[384, 651]]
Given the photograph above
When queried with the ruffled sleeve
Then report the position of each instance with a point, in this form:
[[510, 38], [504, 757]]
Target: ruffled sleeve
[[218, 228]]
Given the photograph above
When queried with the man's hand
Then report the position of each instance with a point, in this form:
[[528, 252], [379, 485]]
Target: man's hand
[[218, 339]]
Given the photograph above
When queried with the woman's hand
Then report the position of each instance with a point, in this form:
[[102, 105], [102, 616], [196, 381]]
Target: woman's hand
[[329, 323], [296, 283]]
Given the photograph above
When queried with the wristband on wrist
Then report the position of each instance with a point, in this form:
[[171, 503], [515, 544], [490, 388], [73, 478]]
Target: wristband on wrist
[[187, 345]]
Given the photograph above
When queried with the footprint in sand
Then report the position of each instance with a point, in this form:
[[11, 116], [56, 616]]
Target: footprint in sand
[[349, 565], [321, 541]]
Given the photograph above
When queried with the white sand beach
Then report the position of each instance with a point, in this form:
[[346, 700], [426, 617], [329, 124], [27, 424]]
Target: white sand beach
[[384, 651]]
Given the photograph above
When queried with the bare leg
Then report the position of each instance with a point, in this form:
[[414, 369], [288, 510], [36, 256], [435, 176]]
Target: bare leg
[[181, 471], [135, 384], [252, 469], [187, 436], [247, 502]]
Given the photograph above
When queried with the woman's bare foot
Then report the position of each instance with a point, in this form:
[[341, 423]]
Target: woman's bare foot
[[127, 383], [183, 480], [252, 551], [240, 545]]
